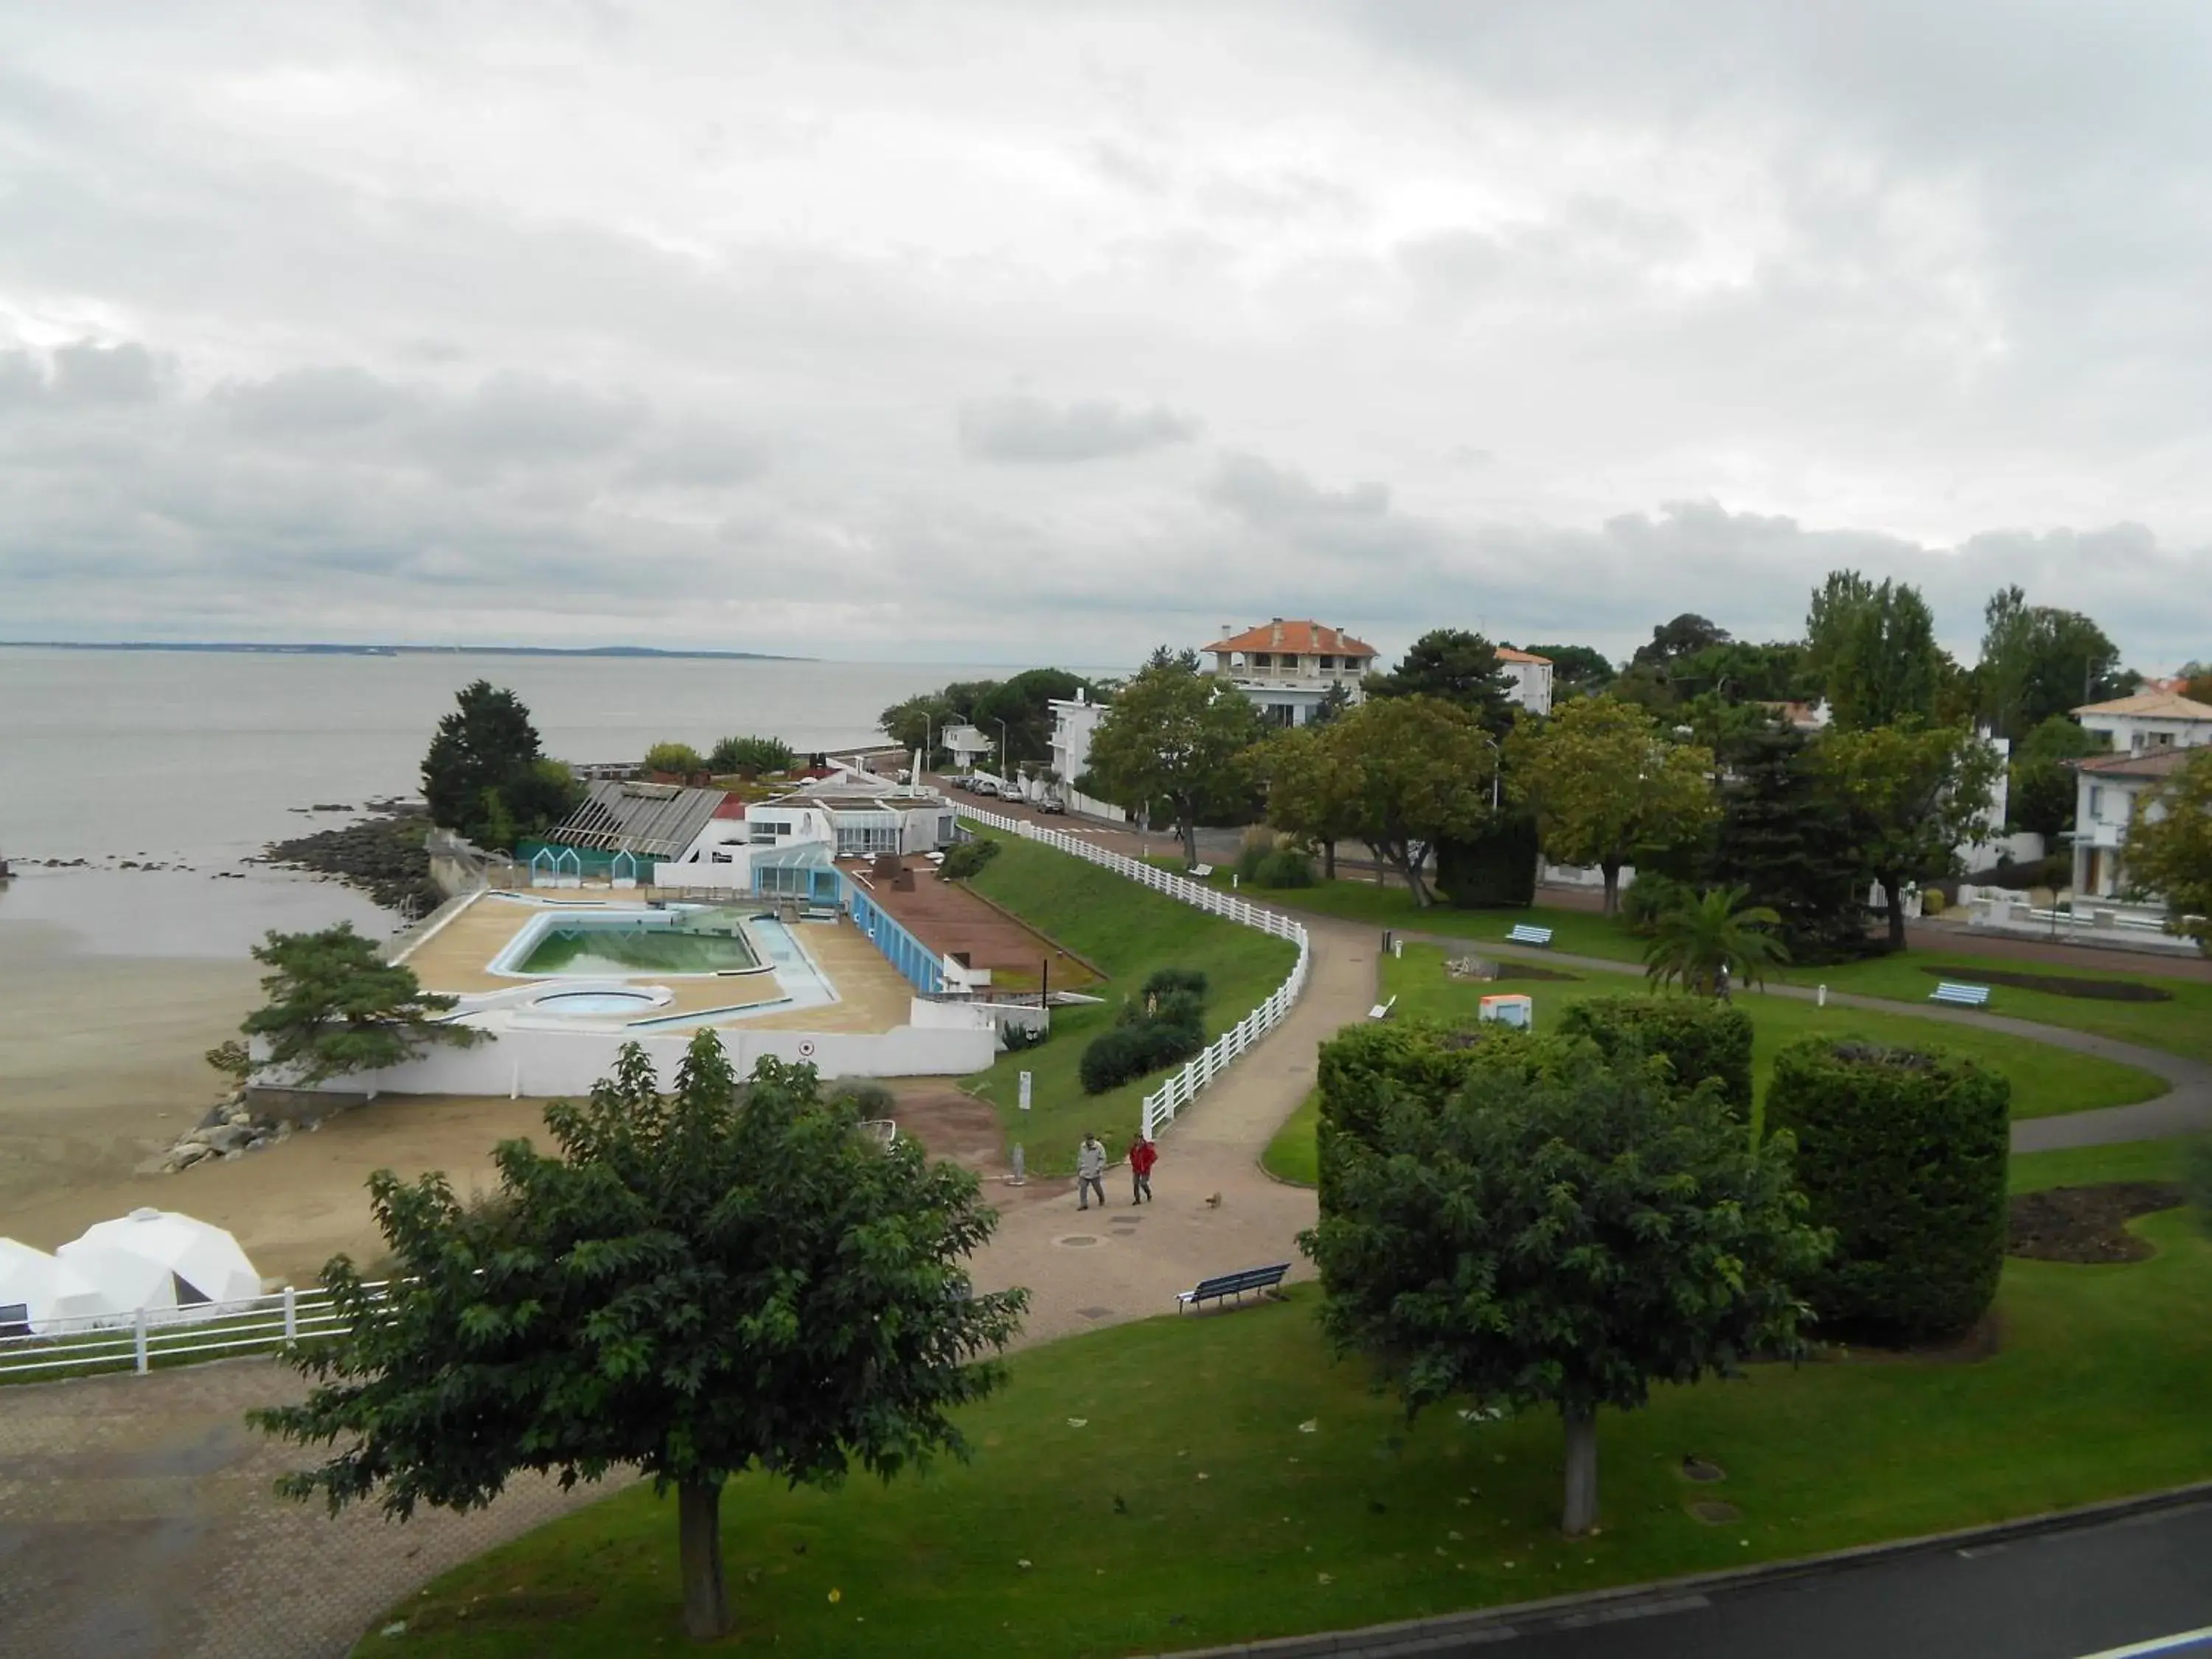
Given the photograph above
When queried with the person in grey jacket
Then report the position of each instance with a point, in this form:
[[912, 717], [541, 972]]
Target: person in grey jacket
[[1090, 1171]]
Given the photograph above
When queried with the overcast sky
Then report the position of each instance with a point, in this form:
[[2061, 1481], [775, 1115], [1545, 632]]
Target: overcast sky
[[1037, 330]]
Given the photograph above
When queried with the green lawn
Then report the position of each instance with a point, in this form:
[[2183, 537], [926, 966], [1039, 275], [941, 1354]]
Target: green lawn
[[1292, 1155], [1189, 1481], [2045, 1081], [1127, 931]]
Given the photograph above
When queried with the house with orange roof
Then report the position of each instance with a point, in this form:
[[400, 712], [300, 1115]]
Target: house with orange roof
[[1287, 668], [2151, 734]]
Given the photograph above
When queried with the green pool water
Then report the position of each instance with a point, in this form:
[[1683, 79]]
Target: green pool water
[[634, 949]]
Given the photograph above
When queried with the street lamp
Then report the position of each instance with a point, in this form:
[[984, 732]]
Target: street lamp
[[1497, 748], [1004, 770]]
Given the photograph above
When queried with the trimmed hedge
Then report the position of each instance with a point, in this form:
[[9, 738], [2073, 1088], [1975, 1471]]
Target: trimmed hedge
[[966, 858], [1493, 870], [1166, 979], [1903, 1154], [1698, 1036]]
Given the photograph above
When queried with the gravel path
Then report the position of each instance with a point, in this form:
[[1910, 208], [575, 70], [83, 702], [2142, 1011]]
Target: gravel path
[[136, 1517]]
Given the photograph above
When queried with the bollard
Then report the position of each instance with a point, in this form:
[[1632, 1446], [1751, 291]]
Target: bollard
[[1020, 1179], [138, 1340], [291, 1314], [1821, 997]]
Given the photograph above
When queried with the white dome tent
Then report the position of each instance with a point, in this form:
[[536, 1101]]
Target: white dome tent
[[41, 1293], [164, 1263]]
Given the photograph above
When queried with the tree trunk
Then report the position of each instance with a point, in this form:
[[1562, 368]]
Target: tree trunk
[[1328, 860], [1611, 869], [1892, 889], [699, 1529], [1581, 1513], [1186, 827]]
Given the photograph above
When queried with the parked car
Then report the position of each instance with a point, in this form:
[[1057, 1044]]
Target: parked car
[[1052, 803], [983, 784]]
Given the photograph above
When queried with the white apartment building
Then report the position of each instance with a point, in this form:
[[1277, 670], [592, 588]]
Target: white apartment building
[[2151, 734], [1073, 720], [1286, 668], [1531, 678]]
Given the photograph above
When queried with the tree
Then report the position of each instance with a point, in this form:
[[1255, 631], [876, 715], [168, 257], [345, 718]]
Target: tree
[[1420, 770], [919, 722], [484, 776], [1578, 670], [1740, 671], [678, 760], [1453, 666], [2042, 792], [1024, 703], [336, 1007], [2170, 848], [1177, 738], [1605, 786], [1310, 795], [1784, 836], [1686, 635], [2197, 682], [1334, 704], [1879, 658], [724, 1278], [1916, 794], [1832, 618], [750, 757], [2038, 662], [1563, 1237], [1705, 941]]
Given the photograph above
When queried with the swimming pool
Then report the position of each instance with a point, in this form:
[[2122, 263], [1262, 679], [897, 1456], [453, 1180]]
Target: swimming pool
[[614, 944], [805, 985]]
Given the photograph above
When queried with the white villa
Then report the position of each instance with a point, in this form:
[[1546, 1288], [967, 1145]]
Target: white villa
[[969, 746], [1286, 668], [1073, 721], [2151, 734], [1531, 676]]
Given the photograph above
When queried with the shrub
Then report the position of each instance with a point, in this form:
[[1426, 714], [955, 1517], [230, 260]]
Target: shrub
[[1018, 1037], [1903, 1154], [1651, 896], [750, 757], [1494, 870], [1111, 1059], [870, 1099], [1165, 980], [1700, 1038], [968, 859], [677, 760], [1285, 867]]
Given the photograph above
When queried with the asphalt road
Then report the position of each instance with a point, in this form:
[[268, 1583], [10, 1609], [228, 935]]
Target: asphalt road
[[2098, 1591]]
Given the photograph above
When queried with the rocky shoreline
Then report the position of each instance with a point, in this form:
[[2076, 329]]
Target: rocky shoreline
[[383, 855]]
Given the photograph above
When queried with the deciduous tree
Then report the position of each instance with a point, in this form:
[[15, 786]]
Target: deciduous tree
[[2038, 662], [1178, 738], [1311, 794], [1877, 652], [336, 1007], [2170, 849], [1419, 770], [723, 1280], [1563, 1237], [1605, 786], [1916, 794]]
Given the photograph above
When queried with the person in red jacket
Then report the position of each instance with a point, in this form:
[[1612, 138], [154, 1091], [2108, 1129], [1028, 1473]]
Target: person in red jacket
[[1142, 1156]]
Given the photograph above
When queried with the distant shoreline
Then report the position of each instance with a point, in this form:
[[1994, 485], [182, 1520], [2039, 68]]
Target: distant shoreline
[[328, 650]]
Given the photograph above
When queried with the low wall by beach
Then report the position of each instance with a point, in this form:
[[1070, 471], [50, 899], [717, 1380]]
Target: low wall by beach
[[516, 1063]]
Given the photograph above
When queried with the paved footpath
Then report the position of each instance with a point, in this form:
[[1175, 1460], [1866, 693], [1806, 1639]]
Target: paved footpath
[[136, 1517]]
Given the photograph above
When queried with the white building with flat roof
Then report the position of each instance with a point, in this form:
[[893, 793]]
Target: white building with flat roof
[[2151, 734]]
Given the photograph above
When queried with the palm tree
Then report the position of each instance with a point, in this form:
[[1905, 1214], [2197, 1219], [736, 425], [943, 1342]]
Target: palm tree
[[1701, 941]]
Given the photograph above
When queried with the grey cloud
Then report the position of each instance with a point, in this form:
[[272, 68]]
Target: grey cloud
[[315, 401], [1258, 490], [1030, 430], [693, 455], [88, 372]]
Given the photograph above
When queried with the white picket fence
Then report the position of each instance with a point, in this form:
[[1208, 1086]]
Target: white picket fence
[[1171, 1097], [77, 1347]]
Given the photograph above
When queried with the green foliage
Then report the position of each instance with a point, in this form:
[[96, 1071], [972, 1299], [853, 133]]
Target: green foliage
[[678, 760], [2038, 662], [1418, 770], [1023, 703], [695, 1285], [1650, 896], [1567, 1239], [1311, 794], [1704, 942], [1494, 868], [1578, 670], [868, 1099], [750, 757], [1178, 739], [1605, 786], [1903, 1153], [1453, 666], [1914, 793], [1285, 867], [964, 860], [1671, 641], [335, 1008], [919, 722], [2196, 1175], [1739, 673], [484, 776], [1785, 838], [1700, 1039], [1874, 647], [2170, 848], [1164, 1025]]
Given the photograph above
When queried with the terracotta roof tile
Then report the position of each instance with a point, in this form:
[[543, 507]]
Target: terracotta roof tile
[[1303, 639]]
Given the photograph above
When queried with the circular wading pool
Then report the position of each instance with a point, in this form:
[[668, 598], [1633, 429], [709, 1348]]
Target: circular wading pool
[[595, 1002]]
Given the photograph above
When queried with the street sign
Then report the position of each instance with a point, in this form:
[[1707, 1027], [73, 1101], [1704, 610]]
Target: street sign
[[1025, 1092]]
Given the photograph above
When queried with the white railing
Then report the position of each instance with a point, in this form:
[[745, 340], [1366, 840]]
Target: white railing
[[78, 1347], [1171, 1097]]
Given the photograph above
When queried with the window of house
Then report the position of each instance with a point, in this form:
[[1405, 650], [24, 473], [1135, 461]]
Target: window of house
[[1329, 662], [1262, 659], [2096, 801], [2158, 739]]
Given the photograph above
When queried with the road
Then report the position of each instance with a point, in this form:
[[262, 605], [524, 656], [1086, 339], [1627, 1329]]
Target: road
[[2097, 1592]]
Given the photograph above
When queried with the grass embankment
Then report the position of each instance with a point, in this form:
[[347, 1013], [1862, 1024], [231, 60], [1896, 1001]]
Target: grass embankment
[[2045, 1081], [1183, 1482], [1294, 1155], [1127, 931]]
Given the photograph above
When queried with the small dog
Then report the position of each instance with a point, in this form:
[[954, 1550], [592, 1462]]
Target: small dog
[[1213, 1201]]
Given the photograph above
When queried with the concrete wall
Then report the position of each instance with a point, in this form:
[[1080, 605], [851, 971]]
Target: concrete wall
[[570, 1062]]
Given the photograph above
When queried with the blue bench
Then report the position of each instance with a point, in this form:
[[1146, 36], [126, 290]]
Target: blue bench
[[1963, 996], [1521, 933], [1222, 1288]]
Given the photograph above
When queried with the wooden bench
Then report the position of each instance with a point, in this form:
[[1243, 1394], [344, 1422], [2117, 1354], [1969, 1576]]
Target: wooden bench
[[1963, 996], [1522, 934], [1224, 1285]]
